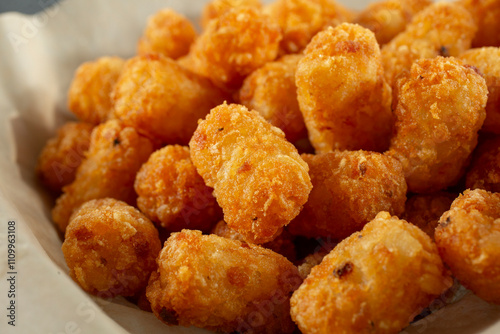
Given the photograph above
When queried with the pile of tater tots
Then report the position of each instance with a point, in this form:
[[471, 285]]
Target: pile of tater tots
[[293, 166]]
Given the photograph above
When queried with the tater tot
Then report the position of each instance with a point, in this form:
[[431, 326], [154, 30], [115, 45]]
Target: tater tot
[[342, 93], [172, 194], [259, 179], [283, 244], [61, 156], [484, 171], [110, 248], [375, 281], [115, 154], [486, 14], [425, 210], [387, 18], [89, 94], [271, 91], [216, 8], [487, 60], [349, 189], [234, 45], [162, 99], [441, 29], [468, 238], [300, 20], [168, 33], [439, 108], [224, 285]]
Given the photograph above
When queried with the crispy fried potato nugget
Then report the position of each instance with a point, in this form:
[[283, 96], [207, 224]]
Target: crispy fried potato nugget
[[224, 285], [375, 281], [110, 248], [283, 244], [168, 33], [425, 210], [89, 94], [487, 60], [486, 14], [300, 20], [234, 45], [115, 154], [468, 238], [439, 108], [216, 8], [162, 99], [387, 18], [61, 156], [484, 171], [172, 193], [271, 91], [349, 189], [441, 29], [259, 179], [342, 93]]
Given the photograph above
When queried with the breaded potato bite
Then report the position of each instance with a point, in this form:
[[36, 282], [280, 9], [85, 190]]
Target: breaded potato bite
[[110, 248], [163, 100], [63, 154], [349, 189], [259, 179], [342, 93], [172, 194], [89, 94], [223, 285], [439, 108], [441, 29], [387, 18], [234, 45], [486, 14], [375, 281], [216, 8], [283, 244], [168, 33], [300, 20], [424, 210], [271, 91], [115, 154], [468, 238], [487, 60], [484, 170]]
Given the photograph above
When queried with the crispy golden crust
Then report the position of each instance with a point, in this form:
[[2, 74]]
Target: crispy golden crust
[[311, 261], [271, 91], [349, 189], [342, 92], [439, 108], [221, 284], [168, 33], [89, 94], [61, 156], [387, 18], [487, 60], [441, 29], [115, 155], [375, 281], [162, 99], [300, 20], [259, 179], [283, 244], [234, 45], [468, 238], [216, 8], [110, 248], [172, 193], [486, 14], [424, 211], [484, 171]]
